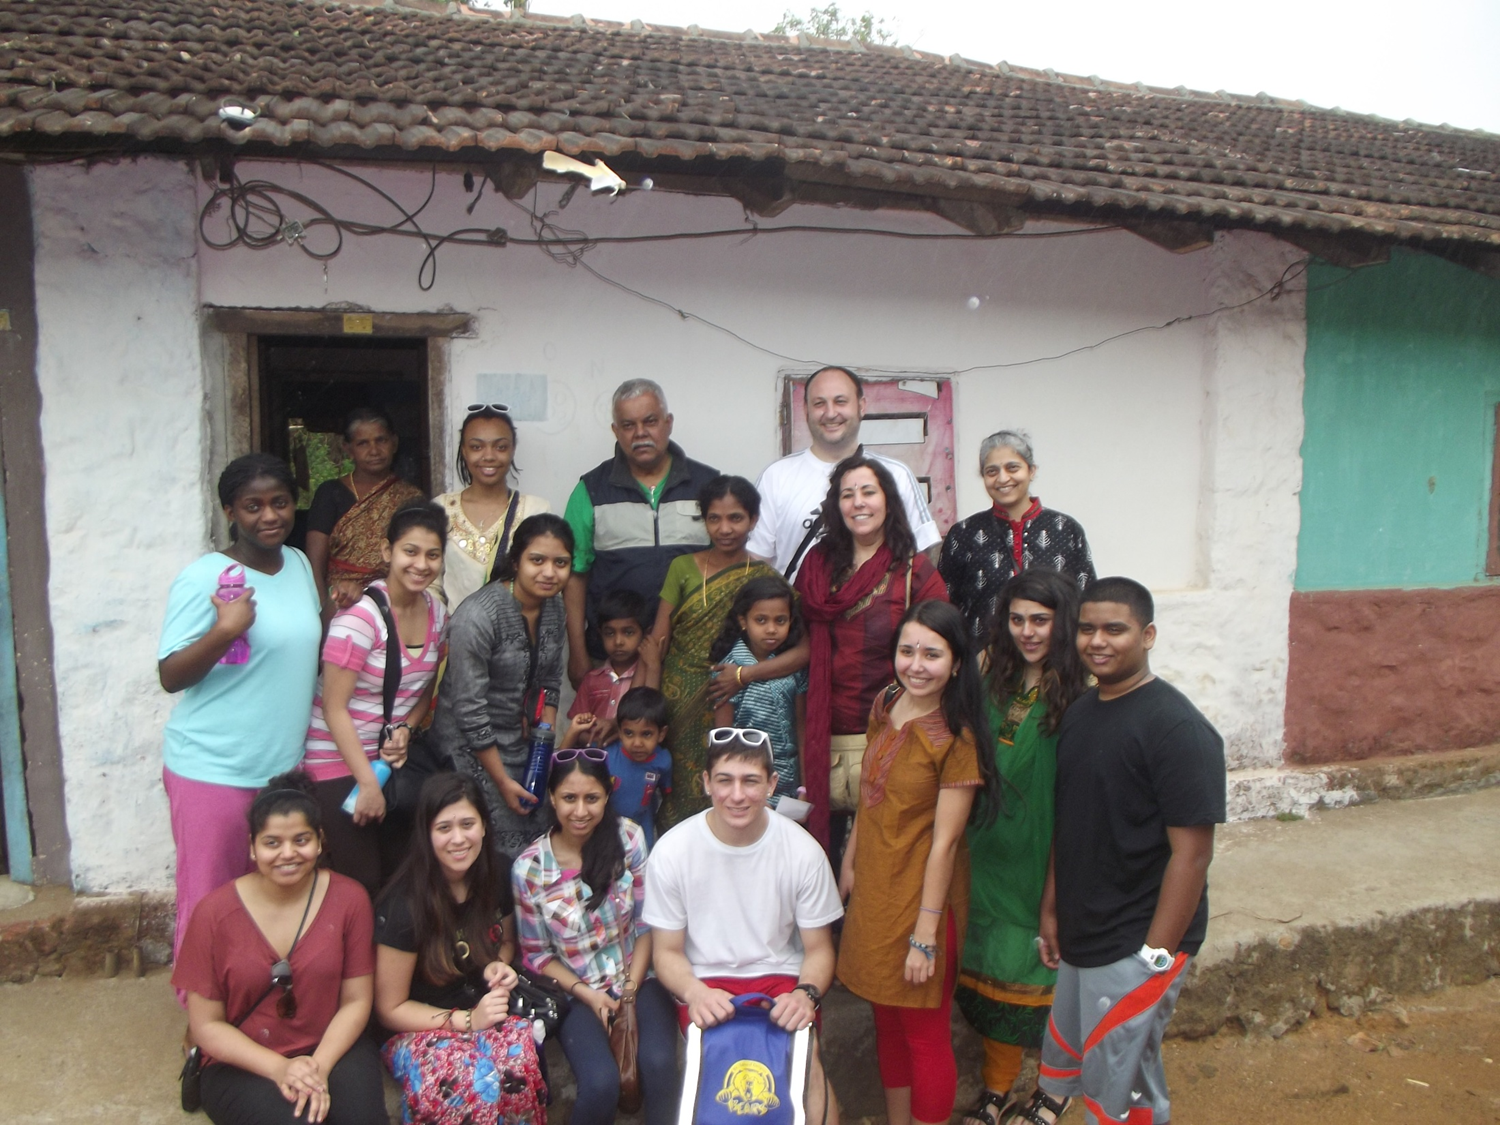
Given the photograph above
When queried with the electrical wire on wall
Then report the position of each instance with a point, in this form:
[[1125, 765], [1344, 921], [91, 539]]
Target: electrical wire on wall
[[253, 213]]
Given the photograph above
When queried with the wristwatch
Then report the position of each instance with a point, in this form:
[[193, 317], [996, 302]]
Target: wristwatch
[[1157, 960], [813, 992]]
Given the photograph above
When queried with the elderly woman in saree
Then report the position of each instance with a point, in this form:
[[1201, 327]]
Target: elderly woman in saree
[[695, 602], [348, 517]]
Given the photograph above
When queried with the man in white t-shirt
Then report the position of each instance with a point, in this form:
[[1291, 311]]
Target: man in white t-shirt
[[740, 900], [792, 489]]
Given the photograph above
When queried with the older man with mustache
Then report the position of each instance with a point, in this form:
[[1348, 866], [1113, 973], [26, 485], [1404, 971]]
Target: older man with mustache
[[631, 516]]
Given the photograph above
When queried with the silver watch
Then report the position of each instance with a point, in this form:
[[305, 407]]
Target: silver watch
[[1157, 960]]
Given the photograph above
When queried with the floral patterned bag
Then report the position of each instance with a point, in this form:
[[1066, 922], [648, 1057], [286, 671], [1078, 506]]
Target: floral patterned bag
[[486, 1077]]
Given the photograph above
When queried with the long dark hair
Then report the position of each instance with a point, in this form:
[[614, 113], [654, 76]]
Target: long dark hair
[[604, 851], [963, 698], [436, 917], [1063, 677], [838, 540], [528, 530], [766, 588]]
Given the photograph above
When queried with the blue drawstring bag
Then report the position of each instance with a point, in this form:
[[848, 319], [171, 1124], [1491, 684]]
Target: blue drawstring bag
[[745, 1069]]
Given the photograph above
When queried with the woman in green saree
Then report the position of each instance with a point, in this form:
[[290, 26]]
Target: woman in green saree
[[1004, 990], [695, 601]]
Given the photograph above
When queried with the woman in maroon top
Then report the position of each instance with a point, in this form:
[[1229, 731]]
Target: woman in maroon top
[[278, 967], [856, 585]]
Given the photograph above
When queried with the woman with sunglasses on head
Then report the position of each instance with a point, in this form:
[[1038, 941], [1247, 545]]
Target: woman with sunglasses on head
[[505, 669], [278, 967], [445, 937], [483, 515], [579, 891]]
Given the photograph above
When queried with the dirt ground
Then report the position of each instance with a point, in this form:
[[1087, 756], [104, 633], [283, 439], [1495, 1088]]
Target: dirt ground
[[1424, 1058], [74, 1052]]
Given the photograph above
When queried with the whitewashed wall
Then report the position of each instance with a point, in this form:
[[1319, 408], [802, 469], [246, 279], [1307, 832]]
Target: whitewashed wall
[[856, 300], [1177, 449], [122, 427]]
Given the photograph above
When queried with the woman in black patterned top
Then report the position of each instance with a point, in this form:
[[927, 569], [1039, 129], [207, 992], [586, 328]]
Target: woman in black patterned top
[[1016, 533]]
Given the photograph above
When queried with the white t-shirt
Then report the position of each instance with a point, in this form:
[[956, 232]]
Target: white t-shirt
[[741, 907], [791, 495]]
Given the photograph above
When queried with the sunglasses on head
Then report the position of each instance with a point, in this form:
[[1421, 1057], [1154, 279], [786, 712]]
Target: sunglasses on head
[[281, 977], [747, 736], [497, 407], [591, 753]]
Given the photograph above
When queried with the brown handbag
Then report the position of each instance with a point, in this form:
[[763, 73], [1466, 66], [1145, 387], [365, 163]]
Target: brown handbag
[[624, 1035]]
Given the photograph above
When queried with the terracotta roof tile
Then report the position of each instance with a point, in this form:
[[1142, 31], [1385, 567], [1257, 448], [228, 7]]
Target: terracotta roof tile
[[433, 78]]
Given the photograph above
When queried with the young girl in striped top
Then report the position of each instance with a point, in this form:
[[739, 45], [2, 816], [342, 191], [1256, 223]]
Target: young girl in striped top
[[343, 739]]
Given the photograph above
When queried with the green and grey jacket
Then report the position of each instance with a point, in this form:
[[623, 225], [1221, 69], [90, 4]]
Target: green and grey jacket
[[633, 542]]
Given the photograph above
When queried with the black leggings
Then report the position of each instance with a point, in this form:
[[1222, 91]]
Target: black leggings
[[350, 849], [232, 1096]]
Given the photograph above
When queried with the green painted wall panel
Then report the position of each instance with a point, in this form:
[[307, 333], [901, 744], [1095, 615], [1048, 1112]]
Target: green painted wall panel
[[1403, 376]]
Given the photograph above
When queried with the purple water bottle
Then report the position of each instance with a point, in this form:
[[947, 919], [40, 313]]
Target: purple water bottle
[[232, 586]]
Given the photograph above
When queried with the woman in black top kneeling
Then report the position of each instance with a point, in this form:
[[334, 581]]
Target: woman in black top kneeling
[[444, 937]]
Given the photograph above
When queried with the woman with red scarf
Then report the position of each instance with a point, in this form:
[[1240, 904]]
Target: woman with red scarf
[[856, 585]]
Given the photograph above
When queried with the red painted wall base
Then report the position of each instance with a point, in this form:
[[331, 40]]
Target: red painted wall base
[[1376, 672]]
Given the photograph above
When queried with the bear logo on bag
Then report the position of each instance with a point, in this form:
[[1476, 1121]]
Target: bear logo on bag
[[749, 1089]]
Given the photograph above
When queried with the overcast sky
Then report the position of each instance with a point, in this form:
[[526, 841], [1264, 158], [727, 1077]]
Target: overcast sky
[[1437, 61]]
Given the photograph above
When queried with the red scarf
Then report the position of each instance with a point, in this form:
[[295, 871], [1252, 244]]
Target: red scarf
[[1018, 530], [821, 606]]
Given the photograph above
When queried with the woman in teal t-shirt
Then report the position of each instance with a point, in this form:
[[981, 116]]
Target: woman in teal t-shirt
[[242, 718]]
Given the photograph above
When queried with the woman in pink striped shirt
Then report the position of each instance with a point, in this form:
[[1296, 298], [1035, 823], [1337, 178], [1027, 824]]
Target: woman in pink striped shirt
[[344, 738]]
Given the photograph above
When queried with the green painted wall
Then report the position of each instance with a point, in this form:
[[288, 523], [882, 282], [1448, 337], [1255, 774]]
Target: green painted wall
[[1403, 376]]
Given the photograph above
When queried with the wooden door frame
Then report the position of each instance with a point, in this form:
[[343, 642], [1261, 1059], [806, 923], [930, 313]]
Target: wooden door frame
[[235, 401]]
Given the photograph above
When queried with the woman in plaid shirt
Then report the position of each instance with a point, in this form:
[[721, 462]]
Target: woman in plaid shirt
[[579, 890]]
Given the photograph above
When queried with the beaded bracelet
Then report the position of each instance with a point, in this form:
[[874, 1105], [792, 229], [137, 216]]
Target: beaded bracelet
[[928, 951]]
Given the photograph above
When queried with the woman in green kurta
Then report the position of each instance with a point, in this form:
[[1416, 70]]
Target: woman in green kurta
[[1004, 990], [695, 601]]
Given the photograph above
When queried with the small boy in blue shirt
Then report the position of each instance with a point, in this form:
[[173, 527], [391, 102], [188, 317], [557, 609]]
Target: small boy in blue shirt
[[639, 763]]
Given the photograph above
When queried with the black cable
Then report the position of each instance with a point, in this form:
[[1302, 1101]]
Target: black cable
[[257, 221]]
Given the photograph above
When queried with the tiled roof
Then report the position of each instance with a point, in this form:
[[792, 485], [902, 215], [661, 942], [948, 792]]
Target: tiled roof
[[789, 117]]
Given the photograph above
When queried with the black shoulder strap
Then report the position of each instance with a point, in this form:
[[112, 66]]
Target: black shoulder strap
[[502, 545], [807, 541], [392, 682], [250, 1011]]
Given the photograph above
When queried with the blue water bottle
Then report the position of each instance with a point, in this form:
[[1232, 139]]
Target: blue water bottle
[[538, 760], [382, 770]]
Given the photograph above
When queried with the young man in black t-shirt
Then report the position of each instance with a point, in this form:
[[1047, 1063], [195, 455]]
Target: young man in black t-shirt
[[1140, 786]]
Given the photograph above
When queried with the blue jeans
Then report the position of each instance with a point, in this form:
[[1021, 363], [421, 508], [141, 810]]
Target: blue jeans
[[586, 1043]]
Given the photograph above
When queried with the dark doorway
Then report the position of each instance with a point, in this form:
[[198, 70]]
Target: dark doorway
[[309, 383]]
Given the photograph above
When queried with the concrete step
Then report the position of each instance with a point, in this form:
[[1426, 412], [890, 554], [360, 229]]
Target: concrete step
[[1260, 793], [1343, 909]]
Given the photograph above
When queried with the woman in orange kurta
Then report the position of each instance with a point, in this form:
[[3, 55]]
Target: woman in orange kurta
[[906, 869]]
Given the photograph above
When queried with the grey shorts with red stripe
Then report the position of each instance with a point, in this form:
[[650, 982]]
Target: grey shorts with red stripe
[[1103, 1041]]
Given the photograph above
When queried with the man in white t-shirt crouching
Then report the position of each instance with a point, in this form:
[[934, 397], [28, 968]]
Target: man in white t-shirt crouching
[[792, 489], [740, 900]]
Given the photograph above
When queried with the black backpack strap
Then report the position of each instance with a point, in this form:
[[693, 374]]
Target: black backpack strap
[[393, 656], [807, 541]]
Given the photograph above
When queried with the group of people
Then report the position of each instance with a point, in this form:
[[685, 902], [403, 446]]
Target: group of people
[[976, 820]]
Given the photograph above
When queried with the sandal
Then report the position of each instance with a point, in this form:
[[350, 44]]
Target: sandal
[[1040, 1102], [980, 1115]]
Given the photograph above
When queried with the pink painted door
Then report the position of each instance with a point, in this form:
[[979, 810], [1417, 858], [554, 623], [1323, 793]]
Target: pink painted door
[[909, 420]]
